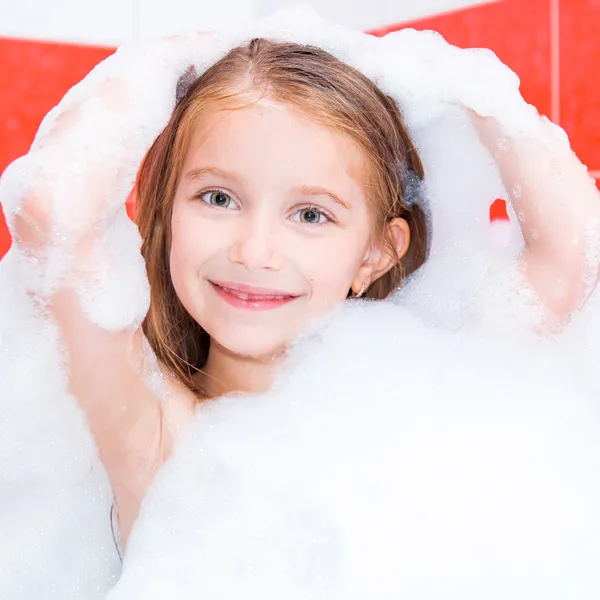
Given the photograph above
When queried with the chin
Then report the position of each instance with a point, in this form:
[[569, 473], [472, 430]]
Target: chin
[[253, 345]]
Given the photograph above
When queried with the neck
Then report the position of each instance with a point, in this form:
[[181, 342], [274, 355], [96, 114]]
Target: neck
[[226, 372]]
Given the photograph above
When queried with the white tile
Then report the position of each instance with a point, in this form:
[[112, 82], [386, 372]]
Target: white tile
[[108, 22], [369, 14], [165, 17], [112, 22]]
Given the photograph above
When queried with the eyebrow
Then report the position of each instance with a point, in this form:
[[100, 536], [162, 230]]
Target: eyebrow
[[318, 191], [195, 174]]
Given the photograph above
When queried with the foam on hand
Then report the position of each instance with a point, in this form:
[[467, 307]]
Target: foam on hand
[[391, 459]]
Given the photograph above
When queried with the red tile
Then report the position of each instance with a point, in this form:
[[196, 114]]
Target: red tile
[[498, 210], [5, 240], [33, 78], [516, 31], [579, 82]]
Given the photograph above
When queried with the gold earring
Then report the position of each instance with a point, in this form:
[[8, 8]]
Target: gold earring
[[362, 290]]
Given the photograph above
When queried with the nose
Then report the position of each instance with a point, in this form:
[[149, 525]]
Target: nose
[[255, 243]]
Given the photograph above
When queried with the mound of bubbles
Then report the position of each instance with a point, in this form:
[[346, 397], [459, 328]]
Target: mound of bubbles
[[429, 447]]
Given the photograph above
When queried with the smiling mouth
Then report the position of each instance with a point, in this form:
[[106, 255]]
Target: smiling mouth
[[251, 298]]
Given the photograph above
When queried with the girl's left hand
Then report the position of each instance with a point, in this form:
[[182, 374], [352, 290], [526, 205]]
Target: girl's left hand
[[557, 205]]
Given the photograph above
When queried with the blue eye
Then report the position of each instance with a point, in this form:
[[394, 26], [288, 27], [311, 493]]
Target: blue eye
[[217, 198], [311, 216]]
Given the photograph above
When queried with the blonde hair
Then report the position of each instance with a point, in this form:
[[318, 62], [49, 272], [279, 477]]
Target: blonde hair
[[329, 92]]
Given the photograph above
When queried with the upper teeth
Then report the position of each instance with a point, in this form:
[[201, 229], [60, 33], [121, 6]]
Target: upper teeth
[[253, 297]]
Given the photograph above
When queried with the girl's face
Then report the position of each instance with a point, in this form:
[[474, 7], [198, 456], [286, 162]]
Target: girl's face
[[270, 226]]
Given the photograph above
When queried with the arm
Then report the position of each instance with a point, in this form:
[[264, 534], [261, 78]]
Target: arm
[[62, 201], [134, 426], [558, 208]]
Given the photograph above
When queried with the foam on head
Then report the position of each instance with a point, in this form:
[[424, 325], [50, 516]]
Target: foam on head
[[107, 123]]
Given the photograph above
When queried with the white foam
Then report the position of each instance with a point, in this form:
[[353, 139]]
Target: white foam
[[54, 495], [424, 448], [409, 463]]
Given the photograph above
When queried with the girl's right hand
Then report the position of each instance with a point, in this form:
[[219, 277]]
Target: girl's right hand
[[84, 159]]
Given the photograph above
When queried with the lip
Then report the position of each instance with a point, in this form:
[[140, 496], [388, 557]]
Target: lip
[[251, 298]]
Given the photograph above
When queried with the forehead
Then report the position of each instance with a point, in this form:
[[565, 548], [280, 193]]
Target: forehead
[[269, 138]]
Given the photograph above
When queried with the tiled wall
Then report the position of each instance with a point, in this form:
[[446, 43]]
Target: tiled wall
[[554, 46]]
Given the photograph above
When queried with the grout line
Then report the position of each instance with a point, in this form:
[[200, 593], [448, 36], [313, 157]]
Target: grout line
[[555, 60]]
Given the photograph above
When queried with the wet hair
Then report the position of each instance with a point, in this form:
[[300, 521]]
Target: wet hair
[[330, 93]]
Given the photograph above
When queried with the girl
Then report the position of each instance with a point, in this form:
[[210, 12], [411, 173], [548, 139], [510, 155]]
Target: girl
[[284, 183]]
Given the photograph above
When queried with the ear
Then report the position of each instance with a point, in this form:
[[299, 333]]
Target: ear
[[379, 259]]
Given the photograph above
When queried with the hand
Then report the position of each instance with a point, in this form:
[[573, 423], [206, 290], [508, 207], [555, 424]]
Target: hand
[[558, 209], [84, 159]]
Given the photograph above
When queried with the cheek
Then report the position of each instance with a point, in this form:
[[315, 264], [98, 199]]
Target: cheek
[[331, 266], [183, 250], [192, 244]]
